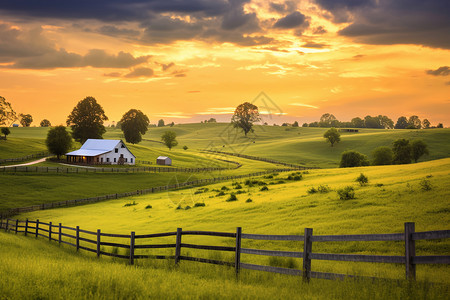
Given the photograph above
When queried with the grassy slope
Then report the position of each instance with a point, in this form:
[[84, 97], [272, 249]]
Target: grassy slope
[[288, 208]]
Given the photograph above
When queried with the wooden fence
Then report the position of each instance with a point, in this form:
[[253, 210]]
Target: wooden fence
[[24, 158], [59, 234], [18, 210]]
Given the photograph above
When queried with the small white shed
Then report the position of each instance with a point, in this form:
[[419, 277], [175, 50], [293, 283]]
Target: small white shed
[[163, 160]]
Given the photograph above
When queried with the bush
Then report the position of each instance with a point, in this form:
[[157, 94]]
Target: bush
[[346, 193], [382, 156], [351, 158], [199, 204], [185, 147], [220, 194], [268, 176], [248, 200], [232, 198], [425, 185], [224, 188], [240, 192], [323, 189], [148, 206], [187, 207], [362, 179], [178, 207], [238, 186], [130, 204], [297, 177], [264, 188], [312, 190]]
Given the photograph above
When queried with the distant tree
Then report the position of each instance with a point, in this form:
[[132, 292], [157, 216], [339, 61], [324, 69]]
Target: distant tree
[[285, 124], [414, 122], [305, 125], [5, 131], [26, 120], [426, 124], [169, 139], [244, 116], [212, 120], [440, 125], [171, 124], [418, 148], [372, 122], [86, 120], [327, 120], [402, 123], [58, 141], [351, 158], [382, 156], [333, 136], [7, 114], [295, 124], [185, 147], [161, 123], [357, 122], [402, 151], [134, 125], [45, 123], [385, 122], [313, 124]]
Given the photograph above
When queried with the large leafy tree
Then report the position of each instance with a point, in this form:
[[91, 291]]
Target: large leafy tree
[[26, 120], [332, 136], [45, 123], [426, 123], [414, 122], [86, 120], [5, 131], [58, 140], [418, 148], [169, 139], [351, 158], [161, 123], [7, 114], [244, 116], [402, 123], [402, 151], [134, 124], [328, 120], [357, 122], [382, 155]]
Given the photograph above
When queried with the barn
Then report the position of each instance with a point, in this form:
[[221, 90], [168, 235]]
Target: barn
[[100, 152], [163, 160]]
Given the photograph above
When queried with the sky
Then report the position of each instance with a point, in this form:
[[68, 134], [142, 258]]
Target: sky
[[190, 60]]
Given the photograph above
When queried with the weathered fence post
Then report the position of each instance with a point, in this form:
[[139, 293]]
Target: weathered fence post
[[98, 242], [410, 251], [237, 258], [50, 231], [307, 248], [26, 227], [59, 234], [6, 226], [178, 246], [78, 238], [132, 248], [17, 225], [37, 228]]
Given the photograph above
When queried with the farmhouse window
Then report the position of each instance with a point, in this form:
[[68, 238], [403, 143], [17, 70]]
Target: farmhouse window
[[97, 159], [101, 159], [115, 159], [126, 159], [116, 150], [107, 159], [131, 160]]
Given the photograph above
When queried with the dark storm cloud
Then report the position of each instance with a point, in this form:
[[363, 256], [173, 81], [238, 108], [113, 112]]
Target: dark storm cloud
[[442, 71], [292, 20], [287, 6], [116, 31], [388, 22]]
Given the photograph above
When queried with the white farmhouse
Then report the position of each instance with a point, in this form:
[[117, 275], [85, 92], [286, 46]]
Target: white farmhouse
[[96, 151]]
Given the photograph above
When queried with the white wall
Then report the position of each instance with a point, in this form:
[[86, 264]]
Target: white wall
[[129, 158]]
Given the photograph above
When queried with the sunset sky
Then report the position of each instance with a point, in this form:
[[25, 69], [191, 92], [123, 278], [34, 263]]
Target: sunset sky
[[189, 60]]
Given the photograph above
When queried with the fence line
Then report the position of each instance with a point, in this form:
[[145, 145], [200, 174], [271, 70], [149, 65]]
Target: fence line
[[14, 211], [19, 159], [409, 236]]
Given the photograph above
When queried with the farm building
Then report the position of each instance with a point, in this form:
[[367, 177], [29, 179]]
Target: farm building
[[96, 151], [163, 160]]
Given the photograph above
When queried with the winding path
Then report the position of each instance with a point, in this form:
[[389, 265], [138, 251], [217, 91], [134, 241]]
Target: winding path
[[28, 163]]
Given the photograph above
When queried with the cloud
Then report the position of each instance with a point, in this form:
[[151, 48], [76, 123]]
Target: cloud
[[113, 74], [118, 32], [314, 45], [292, 20], [287, 6], [303, 105], [386, 22], [165, 67], [140, 72], [442, 71]]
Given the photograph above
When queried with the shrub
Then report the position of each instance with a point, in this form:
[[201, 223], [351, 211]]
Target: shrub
[[199, 204], [240, 192], [362, 179], [280, 181], [238, 186], [198, 192], [379, 185], [312, 190], [346, 193], [232, 198], [130, 204], [220, 194], [187, 207], [260, 182], [248, 200], [323, 189], [426, 185], [185, 147], [224, 188], [382, 156], [178, 207], [268, 176], [351, 158], [297, 177], [148, 206], [264, 188]]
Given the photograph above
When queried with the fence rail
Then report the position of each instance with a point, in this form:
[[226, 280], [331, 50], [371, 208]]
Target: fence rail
[[15, 211], [409, 259]]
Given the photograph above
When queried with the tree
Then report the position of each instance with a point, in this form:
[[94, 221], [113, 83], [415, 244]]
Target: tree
[[305, 125], [244, 116], [402, 151], [351, 158], [426, 124], [212, 120], [58, 140], [372, 122], [333, 136], [327, 120], [414, 122], [385, 122], [382, 156], [357, 122], [7, 114], [418, 148], [161, 123], [5, 131], [402, 123], [26, 120], [169, 139], [440, 125], [134, 125], [45, 123], [295, 124], [86, 120]]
